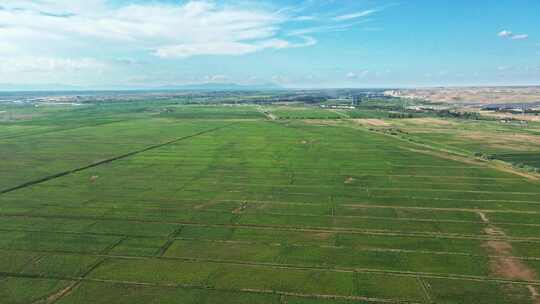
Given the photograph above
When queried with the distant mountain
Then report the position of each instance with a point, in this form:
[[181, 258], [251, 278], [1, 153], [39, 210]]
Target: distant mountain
[[222, 87], [37, 87], [188, 87]]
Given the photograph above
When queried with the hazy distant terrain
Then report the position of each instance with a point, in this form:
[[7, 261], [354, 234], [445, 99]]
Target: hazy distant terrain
[[473, 95]]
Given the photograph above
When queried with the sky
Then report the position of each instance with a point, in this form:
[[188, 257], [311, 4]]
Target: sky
[[293, 44]]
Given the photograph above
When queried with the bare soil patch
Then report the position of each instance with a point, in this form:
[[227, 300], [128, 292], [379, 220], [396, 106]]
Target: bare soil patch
[[57, 295], [240, 209], [526, 117], [323, 235], [475, 95], [372, 122], [349, 180], [509, 268], [321, 122], [483, 217], [499, 247], [534, 293], [518, 142], [430, 121], [512, 269]]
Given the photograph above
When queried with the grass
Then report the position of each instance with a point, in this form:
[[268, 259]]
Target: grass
[[94, 293], [527, 158], [516, 145], [290, 112], [255, 210], [18, 291], [445, 291]]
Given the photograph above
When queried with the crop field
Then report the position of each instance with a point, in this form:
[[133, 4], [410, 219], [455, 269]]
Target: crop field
[[156, 202], [528, 158], [516, 144], [313, 112]]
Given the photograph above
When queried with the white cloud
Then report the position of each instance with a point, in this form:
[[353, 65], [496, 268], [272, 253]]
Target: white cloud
[[351, 75], [305, 18], [8, 48], [506, 34], [210, 48], [228, 48], [355, 15], [216, 78], [323, 29], [77, 40], [520, 37], [196, 27], [503, 68], [280, 79], [24, 64]]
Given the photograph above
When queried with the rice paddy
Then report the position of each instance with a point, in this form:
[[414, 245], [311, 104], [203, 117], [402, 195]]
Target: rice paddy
[[168, 203]]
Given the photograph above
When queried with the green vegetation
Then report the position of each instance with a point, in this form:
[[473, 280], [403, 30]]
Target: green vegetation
[[303, 112], [522, 159], [161, 202]]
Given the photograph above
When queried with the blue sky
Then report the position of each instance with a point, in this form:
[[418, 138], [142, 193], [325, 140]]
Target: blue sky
[[306, 43]]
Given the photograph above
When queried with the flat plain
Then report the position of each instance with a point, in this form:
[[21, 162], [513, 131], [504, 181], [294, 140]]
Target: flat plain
[[152, 202]]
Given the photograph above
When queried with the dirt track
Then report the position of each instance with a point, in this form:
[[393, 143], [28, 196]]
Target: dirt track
[[503, 266]]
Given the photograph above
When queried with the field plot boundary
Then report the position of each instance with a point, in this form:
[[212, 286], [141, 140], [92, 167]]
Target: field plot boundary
[[76, 280], [345, 204], [296, 228], [333, 215], [168, 243], [352, 270], [203, 287], [317, 214], [8, 138], [109, 160], [361, 187], [510, 179]]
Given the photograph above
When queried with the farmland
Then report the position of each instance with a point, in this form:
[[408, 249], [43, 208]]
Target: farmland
[[516, 144], [156, 201]]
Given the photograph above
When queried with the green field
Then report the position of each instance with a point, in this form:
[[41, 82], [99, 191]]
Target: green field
[[156, 202], [515, 144], [303, 112], [527, 158]]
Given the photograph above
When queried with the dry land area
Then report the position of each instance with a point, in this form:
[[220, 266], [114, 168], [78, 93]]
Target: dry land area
[[149, 202], [473, 95]]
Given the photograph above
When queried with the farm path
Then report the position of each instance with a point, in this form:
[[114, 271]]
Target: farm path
[[504, 266]]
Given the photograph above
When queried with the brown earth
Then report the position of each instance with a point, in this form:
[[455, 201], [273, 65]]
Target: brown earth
[[430, 121], [526, 117], [502, 265], [322, 122], [372, 122], [512, 269], [475, 95], [508, 140], [349, 180]]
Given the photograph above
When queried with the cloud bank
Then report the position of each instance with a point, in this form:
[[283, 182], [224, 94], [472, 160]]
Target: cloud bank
[[166, 30], [59, 37]]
